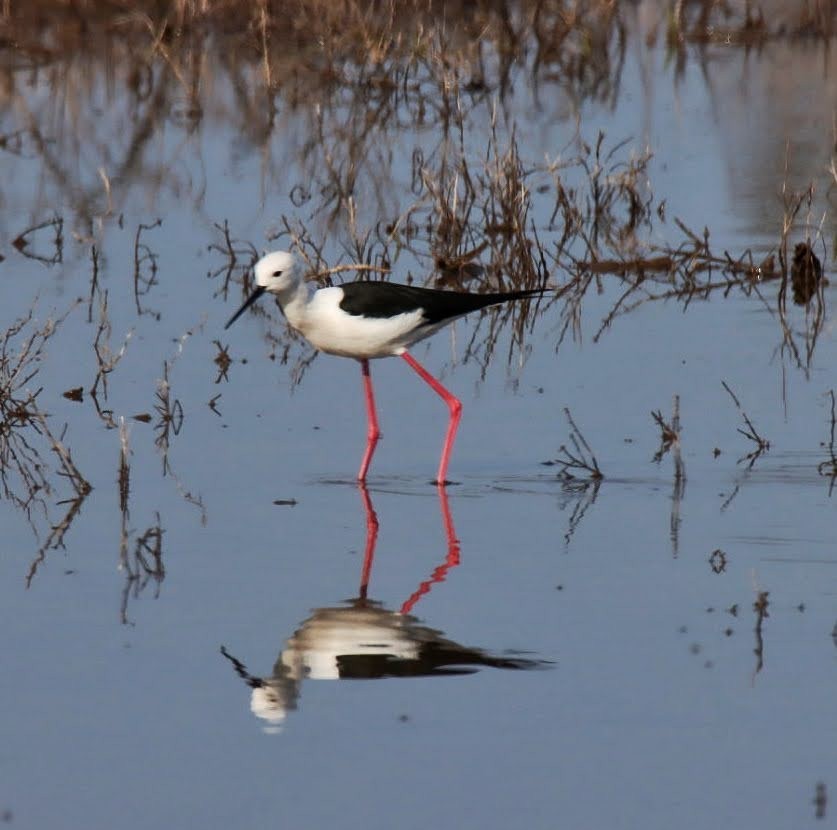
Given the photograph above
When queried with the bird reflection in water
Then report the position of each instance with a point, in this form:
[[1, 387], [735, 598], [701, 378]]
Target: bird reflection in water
[[364, 640]]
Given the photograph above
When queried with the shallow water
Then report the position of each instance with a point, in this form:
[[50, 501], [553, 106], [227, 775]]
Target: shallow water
[[655, 649]]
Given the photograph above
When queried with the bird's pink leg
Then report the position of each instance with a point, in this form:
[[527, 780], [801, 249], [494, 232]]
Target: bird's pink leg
[[454, 405], [372, 432]]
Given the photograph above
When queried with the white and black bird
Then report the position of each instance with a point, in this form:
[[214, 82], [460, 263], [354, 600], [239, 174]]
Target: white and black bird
[[367, 320]]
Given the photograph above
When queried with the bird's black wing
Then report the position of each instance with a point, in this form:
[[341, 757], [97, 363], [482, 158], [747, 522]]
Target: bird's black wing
[[386, 299]]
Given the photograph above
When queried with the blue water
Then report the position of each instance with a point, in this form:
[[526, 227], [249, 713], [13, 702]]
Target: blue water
[[651, 706]]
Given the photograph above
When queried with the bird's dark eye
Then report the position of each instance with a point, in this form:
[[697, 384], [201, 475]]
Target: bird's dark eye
[[277, 273]]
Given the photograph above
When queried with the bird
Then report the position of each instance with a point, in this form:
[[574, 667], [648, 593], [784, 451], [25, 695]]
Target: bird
[[366, 320]]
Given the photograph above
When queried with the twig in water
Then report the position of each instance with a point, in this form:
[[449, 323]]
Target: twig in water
[[222, 360], [669, 436], [580, 459], [762, 444], [670, 440]]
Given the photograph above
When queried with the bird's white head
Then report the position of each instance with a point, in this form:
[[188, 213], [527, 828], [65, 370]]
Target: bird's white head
[[277, 272]]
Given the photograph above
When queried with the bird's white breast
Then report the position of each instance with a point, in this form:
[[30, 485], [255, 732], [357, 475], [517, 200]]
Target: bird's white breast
[[332, 330]]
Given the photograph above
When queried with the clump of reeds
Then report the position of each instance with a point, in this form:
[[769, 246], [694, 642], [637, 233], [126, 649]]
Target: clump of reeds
[[578, 461]]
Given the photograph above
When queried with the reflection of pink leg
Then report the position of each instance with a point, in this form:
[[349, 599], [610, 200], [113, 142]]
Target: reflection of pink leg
[[451, 560], [450, 531], [371, 539], [372, 432], [455, 407]]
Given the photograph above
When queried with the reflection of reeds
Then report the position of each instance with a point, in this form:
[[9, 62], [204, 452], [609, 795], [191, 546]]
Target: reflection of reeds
[[169, 423], [124, 476], [820, 800], [744, 24], [760, 607], [106, 359], [563, 32], [24, 431], [27, 480], [582, 495], [829, 467], [81, 488], [145, 267], [55, 538], [359, 70], [169, 417], [232, 249], [143, 565], [23, 242]]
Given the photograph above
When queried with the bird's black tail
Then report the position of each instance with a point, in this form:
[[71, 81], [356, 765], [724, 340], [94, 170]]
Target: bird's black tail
[[442, 305], [386, 299]]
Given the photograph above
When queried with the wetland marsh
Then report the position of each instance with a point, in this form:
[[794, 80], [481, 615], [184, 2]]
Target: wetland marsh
[[622, 614]]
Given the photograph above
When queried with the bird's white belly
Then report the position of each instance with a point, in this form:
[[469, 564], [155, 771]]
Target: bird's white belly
[[332, 330]]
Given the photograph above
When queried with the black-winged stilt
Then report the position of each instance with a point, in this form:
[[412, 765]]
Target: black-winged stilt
[[367, 320]]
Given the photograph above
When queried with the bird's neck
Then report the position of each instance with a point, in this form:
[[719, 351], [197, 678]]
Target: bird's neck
[[294, 301]]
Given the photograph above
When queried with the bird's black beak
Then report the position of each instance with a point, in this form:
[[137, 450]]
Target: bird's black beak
[[247, 303]]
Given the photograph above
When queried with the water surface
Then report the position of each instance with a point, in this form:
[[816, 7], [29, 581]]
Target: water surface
[[652, 649]]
